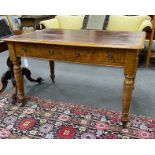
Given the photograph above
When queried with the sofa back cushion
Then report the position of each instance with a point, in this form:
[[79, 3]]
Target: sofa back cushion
[[95, 22], [70, 22], [125, 23], [51, 23]]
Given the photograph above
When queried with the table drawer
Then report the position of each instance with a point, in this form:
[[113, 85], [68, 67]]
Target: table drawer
[[109, 56], [39, 51], [77, 54], [98, 56]]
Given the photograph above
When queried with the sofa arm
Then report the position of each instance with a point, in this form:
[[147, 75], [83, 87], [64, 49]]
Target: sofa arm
[[145, 24], [51, 23]]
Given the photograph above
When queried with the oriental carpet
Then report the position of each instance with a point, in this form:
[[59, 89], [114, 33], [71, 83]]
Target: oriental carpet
[[48, 119]]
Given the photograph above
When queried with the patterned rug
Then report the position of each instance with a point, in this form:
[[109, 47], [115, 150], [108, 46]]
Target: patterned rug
[[48, 119]]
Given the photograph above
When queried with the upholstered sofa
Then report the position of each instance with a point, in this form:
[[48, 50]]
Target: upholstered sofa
[[115, 22]]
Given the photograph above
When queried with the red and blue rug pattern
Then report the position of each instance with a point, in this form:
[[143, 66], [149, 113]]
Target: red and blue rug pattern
[[47, 119]]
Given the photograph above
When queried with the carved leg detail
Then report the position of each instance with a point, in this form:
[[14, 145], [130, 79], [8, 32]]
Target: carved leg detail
[[51, 63], [27, 74], [19, 78], [127, 95]]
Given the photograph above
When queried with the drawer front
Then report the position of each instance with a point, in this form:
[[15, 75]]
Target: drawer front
[[79, 55], [109, 56], [39, 51], [98, 56]]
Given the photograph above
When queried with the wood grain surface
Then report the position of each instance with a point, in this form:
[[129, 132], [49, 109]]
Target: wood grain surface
[[86, 38]]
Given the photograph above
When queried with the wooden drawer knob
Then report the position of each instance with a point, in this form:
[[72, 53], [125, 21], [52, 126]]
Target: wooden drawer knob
[[77, 54], [110, 56], [51, 52], [24, 49]]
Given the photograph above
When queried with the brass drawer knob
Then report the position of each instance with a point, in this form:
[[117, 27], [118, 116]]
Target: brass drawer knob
[[77, 54], [24, 49], [110, 56], [51, 52]]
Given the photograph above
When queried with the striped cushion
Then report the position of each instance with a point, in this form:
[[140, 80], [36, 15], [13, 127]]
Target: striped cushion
[[95, 22]]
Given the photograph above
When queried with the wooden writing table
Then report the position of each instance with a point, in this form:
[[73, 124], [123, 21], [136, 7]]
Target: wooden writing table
[[81, 46]]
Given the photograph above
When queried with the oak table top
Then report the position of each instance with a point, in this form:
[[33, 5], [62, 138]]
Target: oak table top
[[86, 38]]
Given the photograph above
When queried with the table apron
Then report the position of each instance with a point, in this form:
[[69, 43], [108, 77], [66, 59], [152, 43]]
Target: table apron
[[85, 55]]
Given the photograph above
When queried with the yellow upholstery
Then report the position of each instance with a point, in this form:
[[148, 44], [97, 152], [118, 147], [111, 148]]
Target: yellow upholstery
[[128, 23], [51, 23], [116, 22], [70, 22], [145, 23]]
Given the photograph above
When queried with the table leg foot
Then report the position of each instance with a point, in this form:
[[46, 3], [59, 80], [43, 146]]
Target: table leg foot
[[52, 78], [124, 123]]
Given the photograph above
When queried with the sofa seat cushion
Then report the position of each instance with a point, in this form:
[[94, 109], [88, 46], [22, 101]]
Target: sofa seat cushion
[[125, 23], [70, 22]]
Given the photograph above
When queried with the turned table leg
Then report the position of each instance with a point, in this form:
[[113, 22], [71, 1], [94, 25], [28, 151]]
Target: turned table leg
[[131, 60], [19, 78], [51, 63], [17, 72], [127, 95]]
